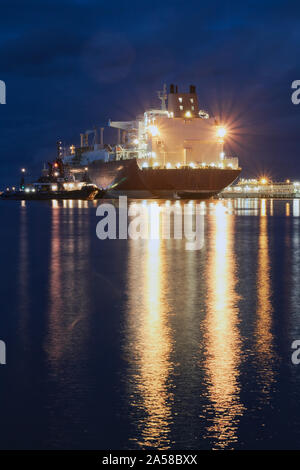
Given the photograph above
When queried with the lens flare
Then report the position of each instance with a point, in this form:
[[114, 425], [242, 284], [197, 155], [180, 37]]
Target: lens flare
[[221, 132]]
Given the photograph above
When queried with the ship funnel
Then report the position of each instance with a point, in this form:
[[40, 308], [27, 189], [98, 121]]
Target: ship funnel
[[172, 88], [192, 89], [81, 140], [101, 136]]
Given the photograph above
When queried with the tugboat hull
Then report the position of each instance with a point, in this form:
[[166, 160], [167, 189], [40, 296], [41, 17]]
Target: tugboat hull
[[88, 193]]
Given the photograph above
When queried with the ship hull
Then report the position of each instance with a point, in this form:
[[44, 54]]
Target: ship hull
[[124, 177]]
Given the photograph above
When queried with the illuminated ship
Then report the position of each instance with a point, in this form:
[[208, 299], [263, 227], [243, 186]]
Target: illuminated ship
[[55, 182], [175, 151]]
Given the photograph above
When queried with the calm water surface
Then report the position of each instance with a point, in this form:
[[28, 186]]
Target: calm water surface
[[130, 344]]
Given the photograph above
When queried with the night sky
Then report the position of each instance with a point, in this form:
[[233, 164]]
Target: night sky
[[70, 64]]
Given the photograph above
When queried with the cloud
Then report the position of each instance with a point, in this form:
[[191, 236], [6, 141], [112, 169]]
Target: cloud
[[71, 64]]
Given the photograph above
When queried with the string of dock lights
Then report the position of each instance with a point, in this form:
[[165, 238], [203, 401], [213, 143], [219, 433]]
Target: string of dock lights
[[265, 186], [168, 166]]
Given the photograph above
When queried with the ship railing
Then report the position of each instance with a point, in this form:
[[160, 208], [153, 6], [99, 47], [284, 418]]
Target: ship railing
[[188, 167]]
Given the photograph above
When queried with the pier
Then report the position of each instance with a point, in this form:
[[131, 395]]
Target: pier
[[262, 188]]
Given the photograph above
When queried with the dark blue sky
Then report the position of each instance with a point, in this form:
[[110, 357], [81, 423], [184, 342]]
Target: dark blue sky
[[72, 64]]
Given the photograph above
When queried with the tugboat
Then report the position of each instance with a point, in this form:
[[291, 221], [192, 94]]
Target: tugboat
[[54, 183], [30, 193]]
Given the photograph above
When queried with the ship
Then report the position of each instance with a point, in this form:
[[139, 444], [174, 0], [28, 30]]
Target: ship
[[55, 182], [46, 193], [173, 151]]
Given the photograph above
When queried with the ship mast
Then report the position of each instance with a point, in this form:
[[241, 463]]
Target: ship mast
[[162, 95]]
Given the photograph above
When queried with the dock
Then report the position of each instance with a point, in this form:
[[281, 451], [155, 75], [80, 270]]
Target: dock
[[262, 188]]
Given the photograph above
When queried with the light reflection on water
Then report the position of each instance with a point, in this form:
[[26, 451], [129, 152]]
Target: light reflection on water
[[68, 300], [149, 343], [223, 349], [264, 310], [151, 377], [68, 321], [23, 273], [199, 341]]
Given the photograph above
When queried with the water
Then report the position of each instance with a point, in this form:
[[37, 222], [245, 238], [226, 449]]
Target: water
[[137, 344]]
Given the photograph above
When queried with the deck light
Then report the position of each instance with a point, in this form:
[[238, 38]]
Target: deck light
[[153, 130], [221, 132]]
